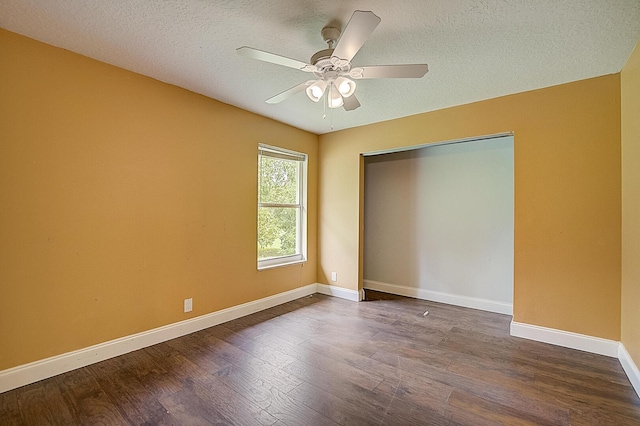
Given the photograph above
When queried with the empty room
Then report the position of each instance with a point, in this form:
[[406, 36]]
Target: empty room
[[333, 213]]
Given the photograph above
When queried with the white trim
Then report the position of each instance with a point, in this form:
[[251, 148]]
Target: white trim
[[341, 292], [29, 373], [428, 144], [277, 265], [629, 367], [436, 296], [301, 207], [566, 339]]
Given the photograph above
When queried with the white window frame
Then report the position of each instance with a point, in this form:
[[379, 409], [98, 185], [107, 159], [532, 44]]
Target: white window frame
[[301, 225]]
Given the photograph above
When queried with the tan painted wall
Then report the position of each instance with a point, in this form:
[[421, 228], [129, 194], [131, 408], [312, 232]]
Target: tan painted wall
[[567, 196], [630, 88], [119, 197]]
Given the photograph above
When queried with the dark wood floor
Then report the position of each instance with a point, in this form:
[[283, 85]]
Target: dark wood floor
[[326, 361]]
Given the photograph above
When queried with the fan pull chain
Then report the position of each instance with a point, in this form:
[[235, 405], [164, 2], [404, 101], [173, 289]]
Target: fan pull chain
[[324, 110], [331, 118]]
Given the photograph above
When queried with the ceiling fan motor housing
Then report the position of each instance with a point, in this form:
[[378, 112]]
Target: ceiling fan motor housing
[[330, 35], [322, 59]]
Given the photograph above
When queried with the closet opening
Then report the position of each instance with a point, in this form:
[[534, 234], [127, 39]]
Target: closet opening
[[439, 222]]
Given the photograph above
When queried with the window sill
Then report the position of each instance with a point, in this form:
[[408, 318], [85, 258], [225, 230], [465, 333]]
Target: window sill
[[278, 265]]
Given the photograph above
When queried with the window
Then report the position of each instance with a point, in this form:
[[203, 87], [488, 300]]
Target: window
[[282, 213]]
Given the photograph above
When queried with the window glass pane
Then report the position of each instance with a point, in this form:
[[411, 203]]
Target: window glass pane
[[278, 180], [277, 227]]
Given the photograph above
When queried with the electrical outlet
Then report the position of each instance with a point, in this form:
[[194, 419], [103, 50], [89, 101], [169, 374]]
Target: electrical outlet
[[334, 276], [188, 305]]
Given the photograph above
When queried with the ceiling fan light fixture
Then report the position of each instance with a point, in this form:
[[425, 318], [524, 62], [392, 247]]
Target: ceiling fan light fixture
[[335, 98], [345, 86], [316, 90]]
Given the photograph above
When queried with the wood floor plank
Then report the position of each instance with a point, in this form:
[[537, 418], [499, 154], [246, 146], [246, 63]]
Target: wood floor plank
[[595, 382], [37, 411], [320, 360], [472, 409], [236, 356], [476, 384], [432, 354], [42, 404], [332, 375], [357, 344], [188, 409], [322, 351], [268, 354], [153, 371], [561, 363], [275, 402], [582, 397], [402, 414], [493, 374], [179, 367], [422, 392], [86, 401], [588, 416], [415, 391], [338, 409], [375, 401], [314, 312], [129, 394], [222, 332], [292, 332], [9, 408], [233, 405], [327, 358]]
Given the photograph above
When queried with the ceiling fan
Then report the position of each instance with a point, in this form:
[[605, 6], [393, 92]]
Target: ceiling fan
[[334, 74]]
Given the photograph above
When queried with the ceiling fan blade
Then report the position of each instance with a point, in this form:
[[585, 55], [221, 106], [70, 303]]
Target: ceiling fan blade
[[289, 92], [390, 71], [350, 103], [357, 31], [261, 55]]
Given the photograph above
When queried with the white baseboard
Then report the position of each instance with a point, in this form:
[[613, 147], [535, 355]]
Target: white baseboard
[[565, 339], [629, 367], [436, 296], [29, 373], [341, 292]]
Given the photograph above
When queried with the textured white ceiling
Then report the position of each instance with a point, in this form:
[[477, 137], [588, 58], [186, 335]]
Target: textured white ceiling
[[475, 49]]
